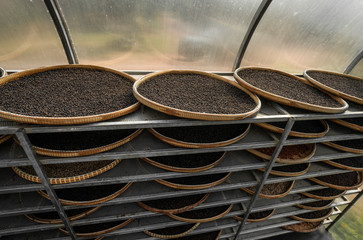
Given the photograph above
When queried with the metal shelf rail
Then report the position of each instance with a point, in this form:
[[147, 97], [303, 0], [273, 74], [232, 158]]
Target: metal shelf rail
[[242, 165]]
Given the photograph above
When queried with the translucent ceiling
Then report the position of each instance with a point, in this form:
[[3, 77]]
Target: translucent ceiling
[[292, 35]]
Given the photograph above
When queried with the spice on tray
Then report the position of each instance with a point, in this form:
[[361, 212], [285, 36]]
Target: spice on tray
[[326, 192], [315, 214], [286, 86], [174, 203], [303, 226], [309, 126], [317, 204], [88, 193], [354, 143], [356, 162], [258, 215], [197, 180], [173, 230], [196, 93], [67, 169], [288, 152], [343, 84], [291, 168], [342, 179], [273, 188], [203, 213], [190, 160], [78, 140], [204, 134], [68, 92]]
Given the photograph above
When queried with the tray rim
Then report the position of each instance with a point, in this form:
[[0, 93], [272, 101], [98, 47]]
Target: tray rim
[[330, 89], [339, 187], [65, 120], [257, 220], [180, 143], [307, 194], [289, 101], [148, 232], [289, 174], [181, 169], [190, 114], [343, 148], [295, 217], [316, 208], [89, 202], [266, 196], [347, 124]]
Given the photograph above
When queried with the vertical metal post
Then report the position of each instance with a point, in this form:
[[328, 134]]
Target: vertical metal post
[[26, 145], [270, 164], [62, 29], [345, 210], [251, 29], [354, 62]]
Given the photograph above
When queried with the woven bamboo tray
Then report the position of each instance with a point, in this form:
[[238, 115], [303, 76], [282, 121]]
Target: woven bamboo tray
[[313, 219], [316, 208], [288, 174], [201, 220], [179, 143], [89, 202], [296, 133], [343, 148], [308, 154], [267, 196], [65, 180], [332, 90], [332, 197], [83, 152], [338, 187], [193, 187], [175, 210], [342, 166], [257, 220], [4, 138], [289, 101], [348, 124], [150, 233], [95, 234], [194, 115], [37, 219], [304, 227], [65, 120], [184, 169]]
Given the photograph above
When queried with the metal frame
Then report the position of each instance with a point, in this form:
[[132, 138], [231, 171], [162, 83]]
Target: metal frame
[[354, 62], [62, 29], [250, 31]]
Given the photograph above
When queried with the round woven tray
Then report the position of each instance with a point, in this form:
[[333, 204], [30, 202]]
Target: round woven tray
[[304, 227], [357, 185], [66, 180], [89, 202], [65, 120], [313, 219], [95, 234], [342, 166], [295, 133], [4, 138], [332, 90], [183, 169], [34, 217], [311, 195], [266, 196], [256, 220], [179, 143], [193, 187], [83, 152], [308, 154], [194, 115], [343, 148], [288, 174], [289, 101], [150, 233], [316, 208], [175, 210], [348, 124], [201, 220]]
